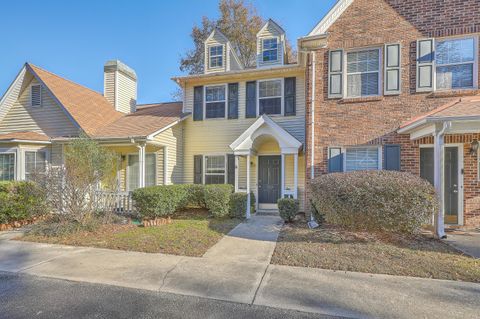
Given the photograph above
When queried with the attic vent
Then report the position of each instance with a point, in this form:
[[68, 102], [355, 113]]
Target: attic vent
[[36, 95]]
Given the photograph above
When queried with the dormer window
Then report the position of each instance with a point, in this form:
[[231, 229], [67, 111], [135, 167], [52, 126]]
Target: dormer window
[[270, 50], [216, 56], [36, 95]]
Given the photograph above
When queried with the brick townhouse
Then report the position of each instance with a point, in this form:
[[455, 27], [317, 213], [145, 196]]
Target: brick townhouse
[[393, 83]]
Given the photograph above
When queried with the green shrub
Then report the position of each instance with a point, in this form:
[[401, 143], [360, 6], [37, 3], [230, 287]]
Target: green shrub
[[20, 201], [217, 199], [374, 200], [196, 196], [159, 201], [288, 208], [238, 204], [61, 225]]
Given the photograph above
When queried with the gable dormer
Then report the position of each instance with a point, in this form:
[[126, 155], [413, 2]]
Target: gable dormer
[[271, 45], [219, 54]]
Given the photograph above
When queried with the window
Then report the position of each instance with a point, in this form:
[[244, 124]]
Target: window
[[455, 63], [215, 101], [270, 97], [214, 169], [35, 163], [216, 56], [36, 95], [7, 166], [270, 50], [133, 171], [363, 76], [362, 159]]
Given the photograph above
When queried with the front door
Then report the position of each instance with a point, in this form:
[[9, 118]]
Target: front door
[[269, 179], [451, 179]]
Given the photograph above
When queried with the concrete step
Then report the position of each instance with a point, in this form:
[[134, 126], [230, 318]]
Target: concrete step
[[267, 212]]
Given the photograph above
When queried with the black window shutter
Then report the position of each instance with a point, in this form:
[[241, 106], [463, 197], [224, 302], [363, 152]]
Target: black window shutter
[[198, 103], [392, 158], [251, 100], [335, 160], [231, 169], [289, 92], [198, 169], [233, 100]]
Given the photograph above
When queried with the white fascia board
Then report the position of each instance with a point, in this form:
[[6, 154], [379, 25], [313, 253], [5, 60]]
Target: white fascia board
[[152, 135], [423, 132], [331, 17], [15, 84]]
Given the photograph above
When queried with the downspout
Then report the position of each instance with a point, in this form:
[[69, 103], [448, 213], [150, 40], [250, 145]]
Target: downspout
[[312, 119]]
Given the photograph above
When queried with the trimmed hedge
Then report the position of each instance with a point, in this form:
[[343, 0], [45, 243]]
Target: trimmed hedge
[[21, 201], [165, 200], [238, 204], [288, 208], [374, 200], [217, 199]]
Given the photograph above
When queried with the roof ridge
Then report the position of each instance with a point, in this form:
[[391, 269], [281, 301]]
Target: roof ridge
[[65, 79]]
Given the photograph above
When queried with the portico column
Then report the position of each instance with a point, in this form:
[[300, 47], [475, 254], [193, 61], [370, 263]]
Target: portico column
[[248, 186], [141, 165], [439, 180], [282, 175], [236, 173], [165, 166], [295, 175]]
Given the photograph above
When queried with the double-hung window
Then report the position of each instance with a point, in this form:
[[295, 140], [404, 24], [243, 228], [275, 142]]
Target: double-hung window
[[363, 73], [35, 164], [215, 169], [362, 159], [270, 97], [455, 63], [133, 171], [270, 50], [216, 56], [215, 101], [7, 166]]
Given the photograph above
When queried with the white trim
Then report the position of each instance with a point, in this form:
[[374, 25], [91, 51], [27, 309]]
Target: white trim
[[165, 166], [262, 49], [330, 18], [223, 56], [282, 175], [127, 169], [225, 85], [248, 187], [295, 175], [282, 101], [25, 141], [34, 150], [312, 116], [151, 136], [16, 84], [346, 74]]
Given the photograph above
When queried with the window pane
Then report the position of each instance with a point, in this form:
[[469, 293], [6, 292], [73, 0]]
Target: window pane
[[270, 50], [270, 106], [216, 61], [216, 50], [362, 84], [215, 164], [455, 51], [29, 162], [215, 110], [270, 88], [133, 172], [214, 179], [7, 167], [363, 61], [215, 93], [362, 159], [150, 170], [455, 76]]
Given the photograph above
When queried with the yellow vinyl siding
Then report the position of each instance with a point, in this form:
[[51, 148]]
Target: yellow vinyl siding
[[172, 138], [127, 93], [49, 119], [109, 87]]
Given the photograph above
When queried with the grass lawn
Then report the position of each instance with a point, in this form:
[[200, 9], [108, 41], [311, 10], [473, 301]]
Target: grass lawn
[[190, 234], [331, 247]]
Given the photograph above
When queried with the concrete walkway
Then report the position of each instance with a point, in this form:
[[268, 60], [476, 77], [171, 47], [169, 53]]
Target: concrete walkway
[[237, 269], [465, 241]]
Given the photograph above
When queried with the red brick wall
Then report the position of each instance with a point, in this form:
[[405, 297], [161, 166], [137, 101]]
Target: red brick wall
[[374, 23]]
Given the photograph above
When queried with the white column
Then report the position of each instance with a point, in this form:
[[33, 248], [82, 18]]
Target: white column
[[141, 165], [295, 175], [439, 180], [282, 177], [248, 186], [236, 173], [165, 166]]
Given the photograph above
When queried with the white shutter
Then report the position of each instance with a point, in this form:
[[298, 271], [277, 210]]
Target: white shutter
[[425, 65], [392, 69], [335, 74]]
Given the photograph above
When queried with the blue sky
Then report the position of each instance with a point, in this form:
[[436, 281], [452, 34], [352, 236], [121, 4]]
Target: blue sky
[[75, 38]]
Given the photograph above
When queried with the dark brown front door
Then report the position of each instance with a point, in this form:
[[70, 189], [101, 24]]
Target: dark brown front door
[[269, 177]]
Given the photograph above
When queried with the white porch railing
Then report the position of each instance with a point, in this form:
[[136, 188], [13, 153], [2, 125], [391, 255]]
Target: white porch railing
[[119, 202]]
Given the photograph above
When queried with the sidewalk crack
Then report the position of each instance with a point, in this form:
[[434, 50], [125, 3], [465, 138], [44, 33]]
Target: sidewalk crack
[[168, 273], [259, 285]]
